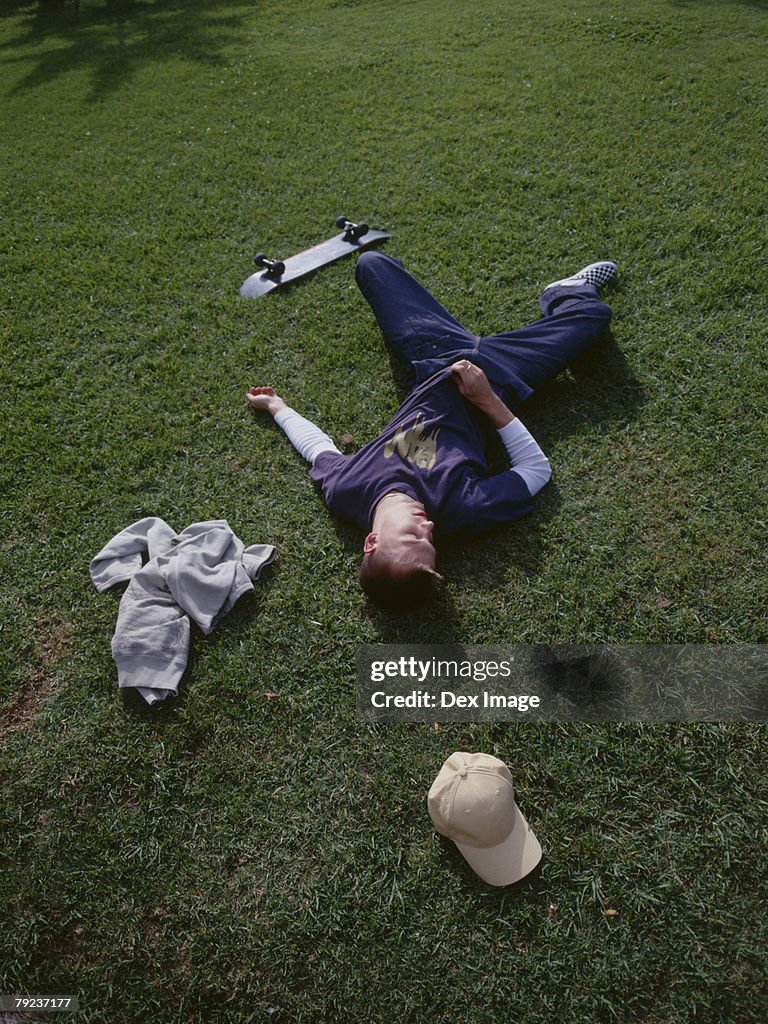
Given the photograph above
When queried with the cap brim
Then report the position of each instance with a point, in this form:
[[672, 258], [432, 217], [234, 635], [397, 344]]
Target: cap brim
[[508, 862]]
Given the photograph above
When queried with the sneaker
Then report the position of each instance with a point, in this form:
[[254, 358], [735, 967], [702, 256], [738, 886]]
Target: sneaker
[[598, 274]]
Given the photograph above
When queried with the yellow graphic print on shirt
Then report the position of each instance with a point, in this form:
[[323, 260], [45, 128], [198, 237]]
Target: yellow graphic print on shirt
[[414, 444]]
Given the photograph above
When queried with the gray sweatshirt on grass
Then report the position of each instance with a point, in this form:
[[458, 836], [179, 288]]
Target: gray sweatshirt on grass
[[197, 574]]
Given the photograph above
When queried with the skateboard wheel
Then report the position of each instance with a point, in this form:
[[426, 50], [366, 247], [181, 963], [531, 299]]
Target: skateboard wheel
[[351, 231], [275, 267]]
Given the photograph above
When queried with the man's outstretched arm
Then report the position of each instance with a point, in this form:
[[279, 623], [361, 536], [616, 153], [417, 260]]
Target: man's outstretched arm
[[525, 456], [306, 437]]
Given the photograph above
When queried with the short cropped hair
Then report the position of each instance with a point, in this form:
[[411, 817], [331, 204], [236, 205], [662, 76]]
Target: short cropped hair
[[395, 587]]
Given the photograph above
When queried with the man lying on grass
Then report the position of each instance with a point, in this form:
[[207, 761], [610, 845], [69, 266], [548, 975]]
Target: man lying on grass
[[428, 470]]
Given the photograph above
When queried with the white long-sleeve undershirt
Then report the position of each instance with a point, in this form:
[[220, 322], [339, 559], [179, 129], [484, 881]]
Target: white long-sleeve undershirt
[[525, 457], [305, 436]]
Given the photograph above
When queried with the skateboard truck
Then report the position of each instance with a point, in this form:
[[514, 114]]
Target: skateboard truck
[[275, 268], [273, 274], [352, 231]]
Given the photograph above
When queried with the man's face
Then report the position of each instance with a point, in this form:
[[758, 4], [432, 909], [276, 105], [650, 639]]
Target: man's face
[[404, 535]]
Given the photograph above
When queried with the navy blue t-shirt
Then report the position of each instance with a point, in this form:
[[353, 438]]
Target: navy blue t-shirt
[[434, 450]]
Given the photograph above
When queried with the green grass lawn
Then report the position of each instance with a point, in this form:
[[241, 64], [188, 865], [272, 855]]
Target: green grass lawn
[[237, 857]]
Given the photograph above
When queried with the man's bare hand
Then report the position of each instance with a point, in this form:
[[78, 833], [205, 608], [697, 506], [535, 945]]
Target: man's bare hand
[[265, 399], [472, 382], [474, 386]]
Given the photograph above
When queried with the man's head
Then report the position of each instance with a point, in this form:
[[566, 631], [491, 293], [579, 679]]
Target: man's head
[[398, 569]]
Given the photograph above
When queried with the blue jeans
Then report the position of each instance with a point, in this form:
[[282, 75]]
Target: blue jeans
[[426, 338]]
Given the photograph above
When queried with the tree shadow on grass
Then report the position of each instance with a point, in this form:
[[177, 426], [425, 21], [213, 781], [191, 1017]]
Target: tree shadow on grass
[[759, 5], [114, 40]]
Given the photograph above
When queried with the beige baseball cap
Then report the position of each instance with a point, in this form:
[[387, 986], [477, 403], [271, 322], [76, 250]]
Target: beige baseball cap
[[472, 802]]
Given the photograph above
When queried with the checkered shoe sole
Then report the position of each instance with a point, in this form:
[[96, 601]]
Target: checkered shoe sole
[[598, 274]]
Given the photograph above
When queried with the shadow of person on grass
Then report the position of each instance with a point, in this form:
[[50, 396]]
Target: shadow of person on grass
[[437, 622], [113, 41], [598, 392]]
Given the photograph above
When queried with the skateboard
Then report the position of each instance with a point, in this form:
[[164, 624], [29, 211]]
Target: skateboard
[[274, 274]]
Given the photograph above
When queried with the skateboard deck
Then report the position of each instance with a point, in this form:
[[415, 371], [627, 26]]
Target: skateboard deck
[[277, 273]]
